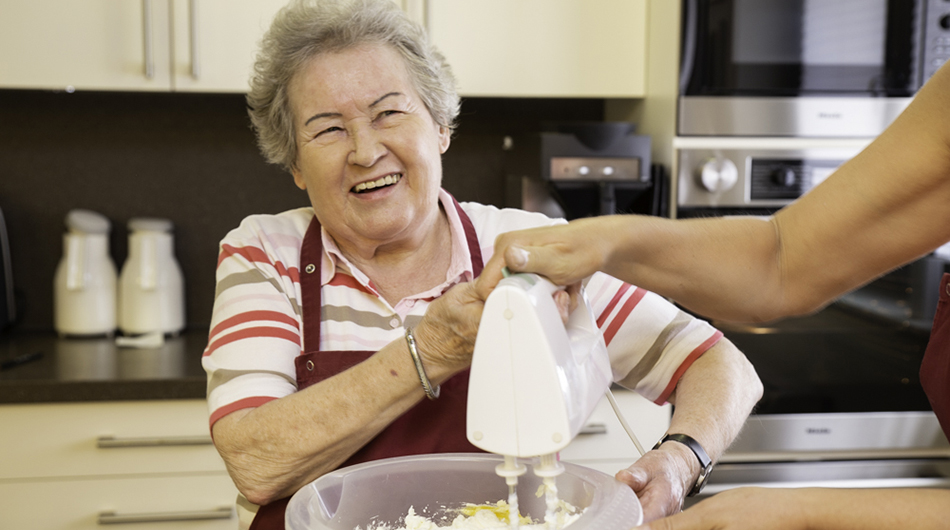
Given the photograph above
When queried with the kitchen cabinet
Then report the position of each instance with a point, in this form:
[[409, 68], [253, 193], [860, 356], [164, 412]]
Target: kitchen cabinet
[[543, 48], [152, 45], [523, 48], [146, 45], [604, 444], [80, 465]]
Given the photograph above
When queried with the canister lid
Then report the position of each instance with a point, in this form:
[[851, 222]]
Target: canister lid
[[150, 224], [87, 221]]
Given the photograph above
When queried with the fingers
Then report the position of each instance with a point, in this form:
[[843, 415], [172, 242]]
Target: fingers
[[518, 259], [563, 302], [635, 478], [490, 276]]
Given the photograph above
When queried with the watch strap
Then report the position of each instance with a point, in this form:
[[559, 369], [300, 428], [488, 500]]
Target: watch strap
[[705, 463]]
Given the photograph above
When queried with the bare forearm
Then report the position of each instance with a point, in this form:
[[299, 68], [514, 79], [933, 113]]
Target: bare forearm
[[725, 268], [713, 399], [843, 509], [815, 509], [273, 450]]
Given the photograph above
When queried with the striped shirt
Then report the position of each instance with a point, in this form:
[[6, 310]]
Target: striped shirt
[[256, 328]]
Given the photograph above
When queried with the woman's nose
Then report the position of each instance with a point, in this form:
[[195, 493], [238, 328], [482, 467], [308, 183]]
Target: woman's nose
[[367, 148]]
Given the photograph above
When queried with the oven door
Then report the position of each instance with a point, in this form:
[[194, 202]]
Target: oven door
[[802, 47]]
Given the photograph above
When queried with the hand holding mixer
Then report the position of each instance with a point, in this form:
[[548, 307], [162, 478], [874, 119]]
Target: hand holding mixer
[[534, 379]]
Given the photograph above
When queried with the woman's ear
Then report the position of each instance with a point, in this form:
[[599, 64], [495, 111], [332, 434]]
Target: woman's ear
[[445, 138], [298, 178]]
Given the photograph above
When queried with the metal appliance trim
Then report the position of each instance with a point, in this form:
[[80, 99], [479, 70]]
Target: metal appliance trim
[[912, 482], [814, 117], [938, 453]]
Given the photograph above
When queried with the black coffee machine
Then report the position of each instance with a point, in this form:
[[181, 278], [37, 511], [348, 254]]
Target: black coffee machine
[[583, 169]]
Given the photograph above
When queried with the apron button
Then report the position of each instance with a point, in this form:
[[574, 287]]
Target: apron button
[[394, 322], [310, 268], [309, 366]]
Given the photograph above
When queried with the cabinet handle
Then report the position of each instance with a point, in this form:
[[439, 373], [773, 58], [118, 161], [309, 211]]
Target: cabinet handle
[[417, 11], [164, 517], [147, 25], [112, 442], [594, 427], [195, 65]]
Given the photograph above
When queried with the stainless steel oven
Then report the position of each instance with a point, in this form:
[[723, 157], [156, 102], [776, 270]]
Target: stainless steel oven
[[843, 405], [815, 68]]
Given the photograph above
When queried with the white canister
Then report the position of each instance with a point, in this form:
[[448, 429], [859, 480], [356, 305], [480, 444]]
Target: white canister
[[84, 286], [151, 285]]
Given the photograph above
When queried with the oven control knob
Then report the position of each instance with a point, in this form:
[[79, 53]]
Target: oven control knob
[[718, 174], [785, 177]]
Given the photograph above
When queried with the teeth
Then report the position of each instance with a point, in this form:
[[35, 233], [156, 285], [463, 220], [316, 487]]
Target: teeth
[[378, 183]]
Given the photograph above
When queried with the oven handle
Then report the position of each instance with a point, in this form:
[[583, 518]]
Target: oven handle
[[922, 482], [927, 453]]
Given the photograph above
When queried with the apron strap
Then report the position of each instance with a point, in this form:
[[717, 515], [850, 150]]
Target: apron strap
[[311, 266]]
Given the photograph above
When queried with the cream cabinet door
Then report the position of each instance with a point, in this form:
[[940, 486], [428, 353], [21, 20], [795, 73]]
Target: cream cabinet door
[[85, 44], [216, 41], [167, 502], [543, 48]]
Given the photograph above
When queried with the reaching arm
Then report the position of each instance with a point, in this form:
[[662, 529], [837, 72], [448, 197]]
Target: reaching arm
[[881, 209], [713, 399], [814, 509]]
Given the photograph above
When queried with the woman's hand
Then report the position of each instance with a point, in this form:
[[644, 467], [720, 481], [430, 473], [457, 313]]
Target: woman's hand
[[659, 478], [565, 254], [446, 334]]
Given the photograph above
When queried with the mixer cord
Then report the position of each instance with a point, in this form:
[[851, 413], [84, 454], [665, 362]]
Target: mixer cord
[[623, 422]]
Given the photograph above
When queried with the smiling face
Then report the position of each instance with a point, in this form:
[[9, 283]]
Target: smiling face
[[369, 152]]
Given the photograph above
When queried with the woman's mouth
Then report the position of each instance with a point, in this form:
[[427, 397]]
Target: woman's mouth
[[382, 182]]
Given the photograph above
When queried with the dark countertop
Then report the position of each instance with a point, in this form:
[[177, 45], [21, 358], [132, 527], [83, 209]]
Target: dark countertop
[[78, 370]]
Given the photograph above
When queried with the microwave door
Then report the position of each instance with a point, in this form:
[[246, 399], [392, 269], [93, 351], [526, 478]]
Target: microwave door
[[789, 48]]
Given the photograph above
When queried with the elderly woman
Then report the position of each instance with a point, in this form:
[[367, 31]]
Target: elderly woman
[[309, 364]]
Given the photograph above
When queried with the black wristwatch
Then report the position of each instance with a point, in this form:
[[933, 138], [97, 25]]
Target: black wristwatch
[[705, 463]]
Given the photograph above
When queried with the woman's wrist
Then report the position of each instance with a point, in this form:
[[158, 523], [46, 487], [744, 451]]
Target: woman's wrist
[[429, 347], [686, 463]]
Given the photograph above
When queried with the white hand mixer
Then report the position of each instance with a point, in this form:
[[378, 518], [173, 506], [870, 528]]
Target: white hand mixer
[[534, 380]]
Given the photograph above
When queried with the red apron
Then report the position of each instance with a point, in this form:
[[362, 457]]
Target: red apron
[[935, 368], [429, 427]]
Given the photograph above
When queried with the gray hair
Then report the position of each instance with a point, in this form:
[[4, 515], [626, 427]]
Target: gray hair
[[306, 28]]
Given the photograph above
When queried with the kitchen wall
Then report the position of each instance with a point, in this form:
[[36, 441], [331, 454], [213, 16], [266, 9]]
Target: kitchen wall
[[190, 158]]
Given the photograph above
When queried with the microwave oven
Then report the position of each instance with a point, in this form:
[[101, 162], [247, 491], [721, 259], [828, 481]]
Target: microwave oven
[[805, 68]]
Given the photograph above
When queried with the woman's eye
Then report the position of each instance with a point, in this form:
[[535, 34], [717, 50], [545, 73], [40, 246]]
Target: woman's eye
[[386, 113], [329, 130]]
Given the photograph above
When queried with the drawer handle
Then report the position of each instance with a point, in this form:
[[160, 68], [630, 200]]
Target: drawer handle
[[163, 517], [112, 442], [147, 30], [594, 427]]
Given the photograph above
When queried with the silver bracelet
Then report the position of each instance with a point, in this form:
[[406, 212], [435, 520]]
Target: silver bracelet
[[431, 393]]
